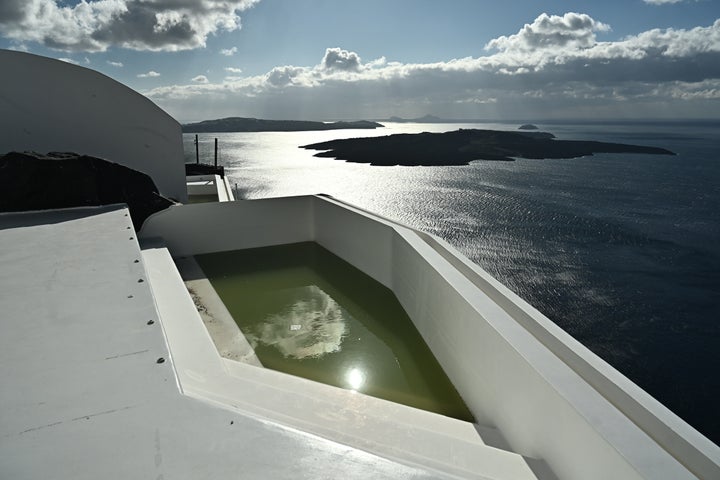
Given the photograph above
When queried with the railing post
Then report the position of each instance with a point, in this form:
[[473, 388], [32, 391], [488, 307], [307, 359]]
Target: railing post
[[197, 150]]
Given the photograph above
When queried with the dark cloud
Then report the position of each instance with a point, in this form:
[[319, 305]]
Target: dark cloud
[[158, 25], [138, 28], [12, 11]]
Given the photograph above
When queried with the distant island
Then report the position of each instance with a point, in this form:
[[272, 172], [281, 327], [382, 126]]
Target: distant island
[[241, 124], [460, 147], [436, 119], [424, 119]]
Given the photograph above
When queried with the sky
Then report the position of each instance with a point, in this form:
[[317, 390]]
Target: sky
[[372, 59]]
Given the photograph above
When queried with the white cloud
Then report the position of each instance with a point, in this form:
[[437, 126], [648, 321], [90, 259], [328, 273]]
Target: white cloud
[[339, 59], [228, 52], [662, 2], [69, 60], [200, 79], [575, 30], [553, 66], [95, 25], [115, 64], [233, 70], [150, 74], [286, 75]]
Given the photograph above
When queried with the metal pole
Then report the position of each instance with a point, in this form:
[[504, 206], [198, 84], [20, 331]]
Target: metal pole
[[216, 153], [197, 150]]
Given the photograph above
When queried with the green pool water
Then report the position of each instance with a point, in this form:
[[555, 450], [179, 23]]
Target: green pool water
[[308, 313]]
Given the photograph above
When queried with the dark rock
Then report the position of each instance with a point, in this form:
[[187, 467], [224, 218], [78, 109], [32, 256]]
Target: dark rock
[[463, 146], [31, 181]]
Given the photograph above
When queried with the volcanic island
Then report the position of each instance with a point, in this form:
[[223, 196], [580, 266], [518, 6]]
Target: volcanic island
[[460, 147]]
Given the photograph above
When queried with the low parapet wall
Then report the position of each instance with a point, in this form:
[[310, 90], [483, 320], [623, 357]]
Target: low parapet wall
[[509, 375]]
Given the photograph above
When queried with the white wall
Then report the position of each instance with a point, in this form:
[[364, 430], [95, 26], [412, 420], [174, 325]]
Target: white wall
[[216, 227], [49, 105], [356, 238], [509, 375]]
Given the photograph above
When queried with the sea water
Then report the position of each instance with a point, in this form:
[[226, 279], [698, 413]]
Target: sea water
[[622, 251]]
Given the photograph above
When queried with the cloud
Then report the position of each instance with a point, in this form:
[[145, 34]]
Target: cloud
[[115, 64], [339, 59], [662, 2], [284, 76], [554, 66], [228, 52], [69, 60], [93, 26], [200, 79], [150, 74], [576, 30], [233, 69]]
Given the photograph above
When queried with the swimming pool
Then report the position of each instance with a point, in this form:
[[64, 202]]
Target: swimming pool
[[308, 313]]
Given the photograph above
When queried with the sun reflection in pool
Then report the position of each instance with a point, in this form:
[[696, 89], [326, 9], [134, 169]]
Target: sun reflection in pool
[[355, 379]]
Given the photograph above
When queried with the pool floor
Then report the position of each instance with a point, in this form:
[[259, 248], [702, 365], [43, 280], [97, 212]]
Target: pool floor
[[308, 313]]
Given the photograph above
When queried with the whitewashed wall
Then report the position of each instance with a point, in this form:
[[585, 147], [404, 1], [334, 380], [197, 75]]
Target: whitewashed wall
[[216, 227], [50, 105]]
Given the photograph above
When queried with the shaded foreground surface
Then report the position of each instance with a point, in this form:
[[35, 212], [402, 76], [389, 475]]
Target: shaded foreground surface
[[308, 313], [463, 146]]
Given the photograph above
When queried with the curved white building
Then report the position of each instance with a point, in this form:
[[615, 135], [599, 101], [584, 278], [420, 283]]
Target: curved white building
[[51, 105]]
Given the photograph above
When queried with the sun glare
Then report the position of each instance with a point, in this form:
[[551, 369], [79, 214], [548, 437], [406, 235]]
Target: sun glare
[[355, 378]]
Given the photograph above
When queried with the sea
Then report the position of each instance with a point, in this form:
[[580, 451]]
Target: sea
[[622, 251]]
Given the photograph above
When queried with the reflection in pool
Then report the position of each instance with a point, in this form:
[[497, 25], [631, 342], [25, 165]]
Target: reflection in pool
[[312, 326], [308, 313]]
